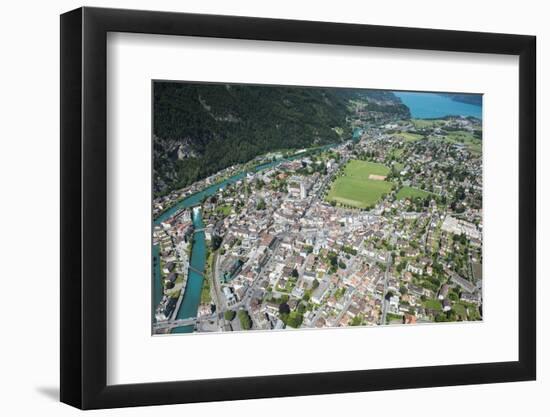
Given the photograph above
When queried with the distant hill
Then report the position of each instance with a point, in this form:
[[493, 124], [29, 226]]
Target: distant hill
[[200, 129], [475, 99]]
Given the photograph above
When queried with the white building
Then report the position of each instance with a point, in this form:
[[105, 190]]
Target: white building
[[459, 227]]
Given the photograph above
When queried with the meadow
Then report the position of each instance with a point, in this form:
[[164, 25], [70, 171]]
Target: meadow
[[409, 137], [467, 138], [410, 192], [423, 123], [363, 169], [355, 189]]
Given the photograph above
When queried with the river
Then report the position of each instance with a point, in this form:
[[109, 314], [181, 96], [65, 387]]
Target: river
[[433, 105], [192, 296]]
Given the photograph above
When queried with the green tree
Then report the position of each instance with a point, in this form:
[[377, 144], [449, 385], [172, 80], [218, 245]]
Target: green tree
[[229, 315], [295, 319], [284, 308], [216, 242], [261, 204], [245, 320], [357, 321]]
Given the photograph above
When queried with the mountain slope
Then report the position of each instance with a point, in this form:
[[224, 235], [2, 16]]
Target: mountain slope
[[200, 129]]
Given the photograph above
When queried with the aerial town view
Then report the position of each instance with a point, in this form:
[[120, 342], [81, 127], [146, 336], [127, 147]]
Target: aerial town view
[[280, 207]]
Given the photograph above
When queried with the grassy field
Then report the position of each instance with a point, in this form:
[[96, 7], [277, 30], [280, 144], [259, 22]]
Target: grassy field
[[423, 123], [358, 192], [460, 310], [473, 312], [355, 189], [409, 137], [433, 304], [225, 210], [394, 319], [397, 152], [362, 169], [399, 166], [467, 138], [410, 192], [459, 136], [206, 297]]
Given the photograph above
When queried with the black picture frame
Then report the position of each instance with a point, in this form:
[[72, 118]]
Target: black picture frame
[[84, 207]]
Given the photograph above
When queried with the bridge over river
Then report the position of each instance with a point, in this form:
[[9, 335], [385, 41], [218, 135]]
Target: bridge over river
[[175, 323], [190, 321], [192, 268]]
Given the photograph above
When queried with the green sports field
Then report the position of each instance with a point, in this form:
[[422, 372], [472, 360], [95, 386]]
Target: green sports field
[[362, 169], [409, 137], [410, 192], [355, 188]]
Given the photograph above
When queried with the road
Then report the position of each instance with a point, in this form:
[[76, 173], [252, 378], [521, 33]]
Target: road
[[384, 301], [215, 284], [328, 179], [426, 232], [216, 288], [344, 309], [247, 298]]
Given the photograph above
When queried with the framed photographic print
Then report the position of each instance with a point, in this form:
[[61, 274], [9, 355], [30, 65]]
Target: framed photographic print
[[257, 208]]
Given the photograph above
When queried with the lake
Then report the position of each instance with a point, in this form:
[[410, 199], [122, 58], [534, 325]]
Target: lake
[[432, 105]]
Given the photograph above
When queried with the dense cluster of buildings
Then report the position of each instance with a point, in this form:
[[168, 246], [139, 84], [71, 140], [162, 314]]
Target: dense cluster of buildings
[[288, 258], [171, 263]]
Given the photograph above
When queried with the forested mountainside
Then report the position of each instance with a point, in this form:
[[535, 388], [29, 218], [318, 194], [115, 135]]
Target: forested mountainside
[[199, 129], [465, 98]]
